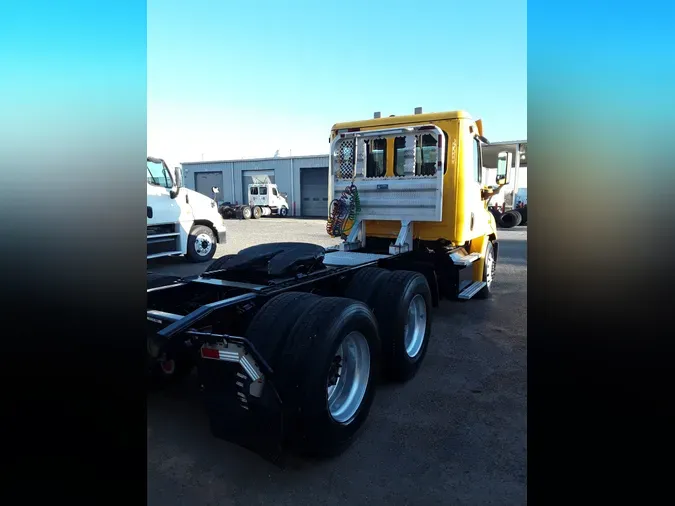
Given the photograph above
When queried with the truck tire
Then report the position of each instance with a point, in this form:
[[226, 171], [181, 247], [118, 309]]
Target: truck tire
[[283, 212], [364, 284], [523, 212], [270, 326], [246, 212], [488, 272], [402, 306], [257, 212], [510, 219], [331, 359], [201, 244]]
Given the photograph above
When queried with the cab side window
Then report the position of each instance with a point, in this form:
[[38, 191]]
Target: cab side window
[[158, 175], [477, 162], [274, 192]]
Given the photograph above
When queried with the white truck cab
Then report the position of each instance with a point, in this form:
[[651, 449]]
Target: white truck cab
[[268, 198], [264, 199], [180, 221]]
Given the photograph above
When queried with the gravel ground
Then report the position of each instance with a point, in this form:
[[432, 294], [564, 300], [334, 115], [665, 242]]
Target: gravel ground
[[455, 434]]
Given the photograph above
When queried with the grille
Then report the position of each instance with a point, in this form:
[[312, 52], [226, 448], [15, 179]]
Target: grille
[[163, 245], [161, 229]]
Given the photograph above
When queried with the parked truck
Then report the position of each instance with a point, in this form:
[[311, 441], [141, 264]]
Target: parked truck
[[290, 338], [264, 199], [180, 221], [507, 216]]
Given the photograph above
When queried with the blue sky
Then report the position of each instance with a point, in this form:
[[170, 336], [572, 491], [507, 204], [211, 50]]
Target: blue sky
[[233, 79]]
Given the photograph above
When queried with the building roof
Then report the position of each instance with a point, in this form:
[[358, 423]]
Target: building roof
[[267, 159]]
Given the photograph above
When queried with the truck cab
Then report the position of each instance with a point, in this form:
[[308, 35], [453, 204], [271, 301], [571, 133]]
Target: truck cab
[[420, 183], [264, 199], [180, 221], [268, 198]]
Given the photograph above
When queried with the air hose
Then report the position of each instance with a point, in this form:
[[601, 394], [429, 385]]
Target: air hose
[[343, 212]]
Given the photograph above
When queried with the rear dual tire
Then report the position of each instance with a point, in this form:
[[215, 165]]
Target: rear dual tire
[[401, 303], [325, 352], [523, 212], [510, 219]]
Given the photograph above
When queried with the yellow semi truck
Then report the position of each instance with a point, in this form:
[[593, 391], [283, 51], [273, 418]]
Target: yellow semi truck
[[419, 185], [290, 338]]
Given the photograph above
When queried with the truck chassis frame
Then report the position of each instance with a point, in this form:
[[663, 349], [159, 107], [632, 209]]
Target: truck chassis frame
[[207, 316]]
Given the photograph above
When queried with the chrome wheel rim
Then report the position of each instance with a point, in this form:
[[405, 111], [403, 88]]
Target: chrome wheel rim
[[489, 268], [203, 245], [348, 377], [416, 326]]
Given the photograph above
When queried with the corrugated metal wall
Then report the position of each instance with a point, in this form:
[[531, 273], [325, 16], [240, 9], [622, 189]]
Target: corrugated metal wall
[[286, 174]]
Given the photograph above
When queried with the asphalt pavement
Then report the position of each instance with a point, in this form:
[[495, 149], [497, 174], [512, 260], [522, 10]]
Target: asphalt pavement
[[456, 434]]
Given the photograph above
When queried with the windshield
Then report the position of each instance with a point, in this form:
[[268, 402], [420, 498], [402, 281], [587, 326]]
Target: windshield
[[159, 175]]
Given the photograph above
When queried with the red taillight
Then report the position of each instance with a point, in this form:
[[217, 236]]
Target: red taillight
[[210, 353]]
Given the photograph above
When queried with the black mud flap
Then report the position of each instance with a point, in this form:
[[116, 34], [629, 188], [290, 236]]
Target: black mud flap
[[236, 416]]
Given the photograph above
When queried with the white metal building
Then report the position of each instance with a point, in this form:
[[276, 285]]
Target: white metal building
[[305, 178]]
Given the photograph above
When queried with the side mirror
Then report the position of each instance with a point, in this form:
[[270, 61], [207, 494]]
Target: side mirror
[[504, 161], [215, 191], [179, 177], [175, 181], [284, 195]]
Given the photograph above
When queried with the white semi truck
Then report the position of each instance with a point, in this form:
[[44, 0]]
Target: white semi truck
[[264, 199], [180, 221]]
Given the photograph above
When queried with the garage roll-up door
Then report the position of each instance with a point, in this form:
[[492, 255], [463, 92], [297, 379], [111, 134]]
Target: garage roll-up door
[[314, 192], [204, 181]]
